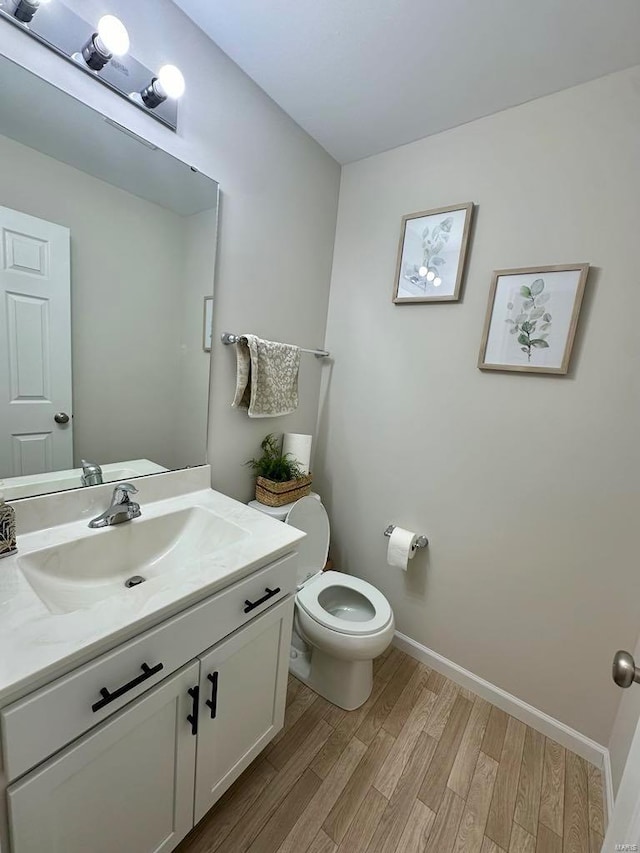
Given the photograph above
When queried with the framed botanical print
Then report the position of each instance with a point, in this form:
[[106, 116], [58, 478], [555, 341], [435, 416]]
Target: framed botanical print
[[532, 318], [432, 254]]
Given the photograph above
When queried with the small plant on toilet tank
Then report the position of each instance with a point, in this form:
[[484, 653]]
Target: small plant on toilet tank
[[533, 321]]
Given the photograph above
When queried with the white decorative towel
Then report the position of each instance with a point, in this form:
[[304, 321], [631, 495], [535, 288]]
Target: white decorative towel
[[267, 377]]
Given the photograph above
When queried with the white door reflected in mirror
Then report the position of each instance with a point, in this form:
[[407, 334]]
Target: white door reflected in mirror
[[35, 323]]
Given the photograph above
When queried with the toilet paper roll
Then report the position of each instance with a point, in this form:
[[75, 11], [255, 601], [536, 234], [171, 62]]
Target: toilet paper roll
[[299, 447], [402, 548]]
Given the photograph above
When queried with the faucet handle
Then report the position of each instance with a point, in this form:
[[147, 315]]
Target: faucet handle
[[121, 493]]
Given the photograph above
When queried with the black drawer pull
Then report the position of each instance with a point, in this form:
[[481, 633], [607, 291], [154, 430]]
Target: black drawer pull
[[269, 593], [213, 702], [107, 697], [194, 692]]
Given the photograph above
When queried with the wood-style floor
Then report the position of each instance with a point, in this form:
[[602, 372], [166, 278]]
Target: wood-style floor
[[424, 765]]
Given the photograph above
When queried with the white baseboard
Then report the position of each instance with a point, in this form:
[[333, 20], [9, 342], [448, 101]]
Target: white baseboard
[[564, 735], [608, 786]]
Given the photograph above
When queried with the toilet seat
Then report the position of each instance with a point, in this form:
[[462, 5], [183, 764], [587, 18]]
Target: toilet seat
[[315, 597]]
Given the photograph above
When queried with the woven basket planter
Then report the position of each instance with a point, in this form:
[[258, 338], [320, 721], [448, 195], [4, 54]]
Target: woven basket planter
[[278, 494]]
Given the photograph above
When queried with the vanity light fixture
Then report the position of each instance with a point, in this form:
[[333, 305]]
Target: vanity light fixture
[[111, 39], [168, 84], [26, 9], [101, 50]]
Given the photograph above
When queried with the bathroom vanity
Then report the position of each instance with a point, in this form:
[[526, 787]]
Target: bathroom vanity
[[144, 702]]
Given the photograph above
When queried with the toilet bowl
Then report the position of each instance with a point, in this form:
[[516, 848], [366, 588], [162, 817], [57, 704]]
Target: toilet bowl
[[341, 622]]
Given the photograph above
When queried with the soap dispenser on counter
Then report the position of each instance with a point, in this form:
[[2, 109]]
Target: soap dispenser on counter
[[8, 544]]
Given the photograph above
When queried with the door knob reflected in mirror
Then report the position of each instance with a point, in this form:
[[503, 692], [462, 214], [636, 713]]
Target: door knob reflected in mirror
[[625, 671], [61, 418]]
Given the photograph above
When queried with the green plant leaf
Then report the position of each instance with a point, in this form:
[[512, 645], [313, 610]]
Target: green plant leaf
[[447, 223], [438, 261], [538, 342], [524, 349], [536, 313], [537, 287], [545, 326], [425, 233], [527, 304], [547, 317], [509, 320], [514, 330], [543, 298], [523, 339], [510, 306], [521, 318], [524, 291], [526, 326], [273, 465]]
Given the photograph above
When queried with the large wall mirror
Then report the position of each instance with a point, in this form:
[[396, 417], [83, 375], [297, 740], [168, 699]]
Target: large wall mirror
[[107, 254]]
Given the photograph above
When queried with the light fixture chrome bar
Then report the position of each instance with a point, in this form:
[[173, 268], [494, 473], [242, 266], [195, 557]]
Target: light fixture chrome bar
[[230, 338]]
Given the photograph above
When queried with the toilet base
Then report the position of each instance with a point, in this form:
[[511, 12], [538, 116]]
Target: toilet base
[[347, 684]]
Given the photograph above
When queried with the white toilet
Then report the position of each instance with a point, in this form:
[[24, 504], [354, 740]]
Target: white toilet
[[341, 623]]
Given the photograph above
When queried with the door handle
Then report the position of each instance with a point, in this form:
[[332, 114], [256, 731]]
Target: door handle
[[213, 702], [61, 418], [625, 671], [268, 593], [192, 718], [108, 696]]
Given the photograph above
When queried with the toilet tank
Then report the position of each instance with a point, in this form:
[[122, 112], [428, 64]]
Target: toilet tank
[[309, 516], [278, 512]]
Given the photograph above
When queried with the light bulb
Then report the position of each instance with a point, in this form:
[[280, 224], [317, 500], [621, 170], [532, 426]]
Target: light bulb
[[422, 271], [171, 80], [168, 84], [437, 281], [113, 35], [112, 39], [26, 9], [431, 275]]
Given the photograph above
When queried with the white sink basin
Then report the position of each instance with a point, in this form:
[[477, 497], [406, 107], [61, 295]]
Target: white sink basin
[[75, 575]]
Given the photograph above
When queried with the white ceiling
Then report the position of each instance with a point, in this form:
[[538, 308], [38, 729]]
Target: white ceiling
[[363, 76]]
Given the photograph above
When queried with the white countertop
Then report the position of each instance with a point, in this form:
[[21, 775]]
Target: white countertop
[[37, 645]]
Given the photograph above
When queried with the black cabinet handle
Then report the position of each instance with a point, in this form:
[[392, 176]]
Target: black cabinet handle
[[269, 593], [108, 697], [213, 702], [194, 692]]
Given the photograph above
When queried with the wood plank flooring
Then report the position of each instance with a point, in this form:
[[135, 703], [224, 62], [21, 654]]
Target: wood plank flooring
[[423, 767]]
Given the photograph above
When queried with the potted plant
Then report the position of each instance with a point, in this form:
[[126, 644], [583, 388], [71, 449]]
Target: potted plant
[[279, 477]]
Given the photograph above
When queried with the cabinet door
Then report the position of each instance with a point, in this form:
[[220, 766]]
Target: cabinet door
[[127, 787], [243, 685]]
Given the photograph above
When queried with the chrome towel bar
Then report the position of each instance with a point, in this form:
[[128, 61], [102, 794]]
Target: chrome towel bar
[[230, 338]]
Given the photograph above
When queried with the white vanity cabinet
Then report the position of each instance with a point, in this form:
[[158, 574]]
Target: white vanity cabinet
[[155, 761], [128, 786], [244, 683]]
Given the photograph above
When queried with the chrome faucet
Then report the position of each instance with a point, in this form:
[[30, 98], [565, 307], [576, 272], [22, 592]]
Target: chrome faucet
[[122, 507], [91, 474]]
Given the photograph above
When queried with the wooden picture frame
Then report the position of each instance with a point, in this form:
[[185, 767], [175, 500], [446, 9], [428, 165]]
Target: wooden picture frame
[[432, 254], [207, 326], [531, 318]]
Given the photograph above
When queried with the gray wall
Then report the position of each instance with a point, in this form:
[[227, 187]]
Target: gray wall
[[278, 209], [526, 485]]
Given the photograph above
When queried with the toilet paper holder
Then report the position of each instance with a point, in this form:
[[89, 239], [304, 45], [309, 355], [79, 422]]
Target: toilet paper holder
[[421, 541]]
